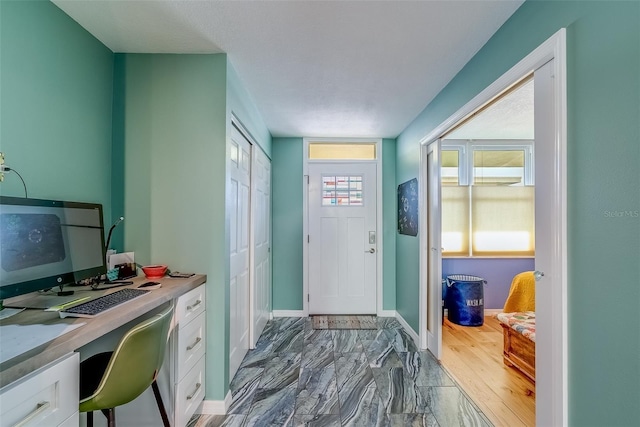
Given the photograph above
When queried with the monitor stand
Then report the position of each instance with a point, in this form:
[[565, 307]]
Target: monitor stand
[[62, 293]]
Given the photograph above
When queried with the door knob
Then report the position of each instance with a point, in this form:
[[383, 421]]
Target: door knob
[[538, 275], [371, 251]]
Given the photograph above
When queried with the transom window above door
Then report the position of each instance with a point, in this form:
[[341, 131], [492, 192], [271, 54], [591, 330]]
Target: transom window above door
[[338, 151]]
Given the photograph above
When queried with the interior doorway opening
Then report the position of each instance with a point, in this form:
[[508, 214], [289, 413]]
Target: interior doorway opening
[[547, 64]]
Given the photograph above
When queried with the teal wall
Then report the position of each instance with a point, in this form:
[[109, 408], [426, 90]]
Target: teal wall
[[174, 129], [170, 130], [287, 163], [241, 104], [286, 166], [389, 224], [603, 43], [55, 105]]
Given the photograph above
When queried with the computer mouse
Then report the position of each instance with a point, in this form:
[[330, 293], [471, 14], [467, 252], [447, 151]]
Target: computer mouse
[[150, 285]]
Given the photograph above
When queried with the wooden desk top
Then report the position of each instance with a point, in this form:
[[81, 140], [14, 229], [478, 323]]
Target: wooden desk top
[[21, 365]]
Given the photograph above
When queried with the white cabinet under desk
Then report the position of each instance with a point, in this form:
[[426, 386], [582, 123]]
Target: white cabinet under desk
[[181, 380], [45, 397]]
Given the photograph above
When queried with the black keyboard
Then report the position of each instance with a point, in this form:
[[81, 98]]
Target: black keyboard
[[101, 304]]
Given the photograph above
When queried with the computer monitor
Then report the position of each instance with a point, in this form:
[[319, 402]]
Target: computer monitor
[[48, 243]]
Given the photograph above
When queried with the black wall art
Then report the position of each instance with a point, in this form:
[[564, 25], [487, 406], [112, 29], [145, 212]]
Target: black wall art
[[408, 207]]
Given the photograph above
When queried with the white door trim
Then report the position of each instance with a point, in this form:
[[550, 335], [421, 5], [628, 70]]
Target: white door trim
[[305, 216], [429, 340], [552, 403]]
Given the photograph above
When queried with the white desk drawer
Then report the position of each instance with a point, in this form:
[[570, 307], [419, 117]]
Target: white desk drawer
[[191, 345], [190, 305], [189, 393], [46, 397]]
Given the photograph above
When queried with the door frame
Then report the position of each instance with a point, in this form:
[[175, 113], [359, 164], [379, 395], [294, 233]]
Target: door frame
[[426, 240], [305, 216], [551, 403]]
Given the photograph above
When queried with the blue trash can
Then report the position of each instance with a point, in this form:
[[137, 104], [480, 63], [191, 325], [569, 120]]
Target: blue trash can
[[465, 299]]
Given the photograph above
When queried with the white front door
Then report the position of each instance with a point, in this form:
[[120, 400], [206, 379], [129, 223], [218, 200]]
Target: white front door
[[434, 250], [239, 210], [342, 238], [261, 219]]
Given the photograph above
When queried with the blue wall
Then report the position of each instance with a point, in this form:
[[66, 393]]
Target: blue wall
[[498, 272], [55, 108], [603, 43]]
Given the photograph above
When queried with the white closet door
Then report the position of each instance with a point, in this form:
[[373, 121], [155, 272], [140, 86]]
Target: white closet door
[[239, 210], [261, 219]]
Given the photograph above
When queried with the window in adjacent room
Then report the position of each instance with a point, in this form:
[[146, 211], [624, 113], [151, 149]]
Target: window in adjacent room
[[487, 199]]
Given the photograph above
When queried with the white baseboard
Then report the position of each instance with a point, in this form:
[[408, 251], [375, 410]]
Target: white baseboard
[[408, 329], [288, 313], [387, 313], [216, 407], [492, 311]]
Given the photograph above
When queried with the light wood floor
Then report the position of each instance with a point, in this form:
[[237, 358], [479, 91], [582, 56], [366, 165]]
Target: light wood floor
[[473, 357]]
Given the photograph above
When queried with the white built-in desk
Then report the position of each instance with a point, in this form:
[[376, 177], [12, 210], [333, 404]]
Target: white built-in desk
[[189, 320]]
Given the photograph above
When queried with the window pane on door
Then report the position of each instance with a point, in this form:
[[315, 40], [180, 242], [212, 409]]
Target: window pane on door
[[342, 190]]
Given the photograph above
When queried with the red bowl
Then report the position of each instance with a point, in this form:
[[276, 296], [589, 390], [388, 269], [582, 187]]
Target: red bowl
[[154, 271]]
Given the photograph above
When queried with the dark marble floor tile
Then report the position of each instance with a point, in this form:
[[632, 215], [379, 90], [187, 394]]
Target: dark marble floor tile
[[304, 377], [291, 323], [288, 341], [274, 407], [383, 357], [317, 356], [346, 341], [243, 388], [362, 406], [245, 378], [242, 400], [270, 329], [399, 392], [219, 421], [401, 341], [413, 420], [322, 420], [452, 408], [317, 392], [352, 370], [318, 337], [282, 371], [388, 323], [259, 356], [425, 369], [370, 335]]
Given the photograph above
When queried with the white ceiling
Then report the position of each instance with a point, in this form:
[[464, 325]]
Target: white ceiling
[[314, 68], [509, 117]]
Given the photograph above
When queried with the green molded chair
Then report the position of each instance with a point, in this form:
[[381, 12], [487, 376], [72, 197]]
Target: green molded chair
[[117, 377]]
